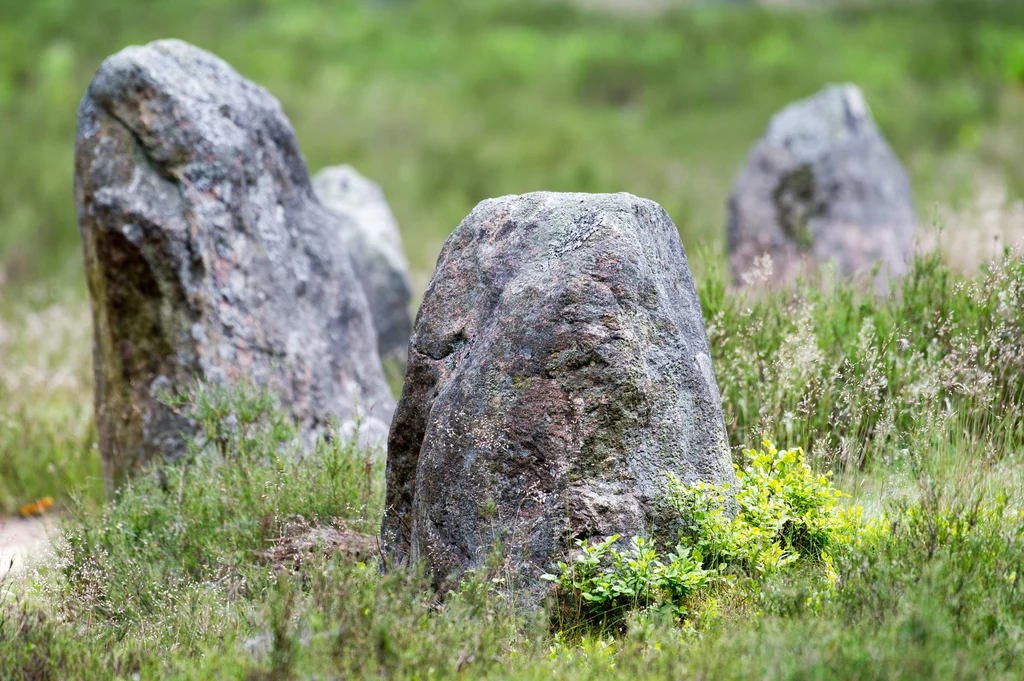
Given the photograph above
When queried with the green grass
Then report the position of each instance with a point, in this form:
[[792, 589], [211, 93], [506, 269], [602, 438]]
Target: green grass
[[178, 579], [204, 570], [447, 103], [855, 378], [200, 569]]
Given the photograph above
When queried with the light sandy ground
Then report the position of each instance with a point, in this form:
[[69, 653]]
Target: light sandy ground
[[978, 232], [629, 6], [652, 6], [22, 539]]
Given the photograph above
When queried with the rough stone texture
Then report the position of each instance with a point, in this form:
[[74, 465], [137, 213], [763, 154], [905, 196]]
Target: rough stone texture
[[207, 255], [370, 234], [822, 184], [559, 368]]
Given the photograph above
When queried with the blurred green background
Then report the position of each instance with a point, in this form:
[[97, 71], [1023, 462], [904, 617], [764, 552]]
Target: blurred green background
[[445, 103]]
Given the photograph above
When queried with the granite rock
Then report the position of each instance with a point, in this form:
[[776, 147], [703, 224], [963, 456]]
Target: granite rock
[[208, 256], [559, 370], [822, 185]]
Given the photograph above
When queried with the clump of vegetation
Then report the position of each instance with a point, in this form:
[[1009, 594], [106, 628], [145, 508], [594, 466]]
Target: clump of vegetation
[[785, 514], [605, 584], [858, 378], [209, 518]]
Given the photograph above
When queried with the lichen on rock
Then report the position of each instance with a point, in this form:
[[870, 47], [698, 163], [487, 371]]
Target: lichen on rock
[[558, 371], [822, 185], [208, 256]]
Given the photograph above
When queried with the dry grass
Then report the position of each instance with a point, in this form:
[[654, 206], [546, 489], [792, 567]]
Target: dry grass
[[977, 233]]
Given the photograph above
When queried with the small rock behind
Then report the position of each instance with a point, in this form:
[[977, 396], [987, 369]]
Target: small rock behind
[[821, 185], [371, 236]]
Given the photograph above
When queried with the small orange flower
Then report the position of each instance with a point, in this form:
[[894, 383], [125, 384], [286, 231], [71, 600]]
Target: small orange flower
[[37, 507]]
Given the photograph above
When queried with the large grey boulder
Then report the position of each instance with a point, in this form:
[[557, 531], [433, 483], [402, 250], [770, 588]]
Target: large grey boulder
[[558, 371], [822, 185], [207, 255], [370, 234]]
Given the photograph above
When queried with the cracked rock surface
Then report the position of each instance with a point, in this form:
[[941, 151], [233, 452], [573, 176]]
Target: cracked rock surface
[[207, 255], [558, 371]]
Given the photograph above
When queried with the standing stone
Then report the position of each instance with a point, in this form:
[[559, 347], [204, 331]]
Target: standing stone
[[822, 184], [558, 370], [370, 234], [207, 255]]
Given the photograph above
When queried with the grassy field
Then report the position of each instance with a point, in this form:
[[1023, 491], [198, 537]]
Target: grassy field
[[220, 568], [447, 103], [250, 563]]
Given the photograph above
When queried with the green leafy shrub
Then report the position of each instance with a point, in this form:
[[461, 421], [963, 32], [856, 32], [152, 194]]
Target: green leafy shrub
[[608, 584], [784, 513]]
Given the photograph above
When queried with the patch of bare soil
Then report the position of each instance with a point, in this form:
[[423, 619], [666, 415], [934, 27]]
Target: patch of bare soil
[[23, 540], [301, 541]]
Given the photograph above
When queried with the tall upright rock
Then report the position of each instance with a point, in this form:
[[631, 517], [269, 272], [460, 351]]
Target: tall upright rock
[[559, 370], [207, 255], [822, 185], [370, 233]]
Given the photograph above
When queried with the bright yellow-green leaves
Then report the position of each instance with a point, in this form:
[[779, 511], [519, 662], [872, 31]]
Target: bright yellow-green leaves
[[784, 512], [781, 513]]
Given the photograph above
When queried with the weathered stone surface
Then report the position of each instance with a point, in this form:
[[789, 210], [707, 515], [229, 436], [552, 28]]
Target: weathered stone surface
[[559, 368], [370, 234], [822, 184], [207, 255]]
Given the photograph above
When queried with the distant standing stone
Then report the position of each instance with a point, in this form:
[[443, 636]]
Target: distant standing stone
[[559, 369], [371, 236], [822, 184], [207, 255]]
